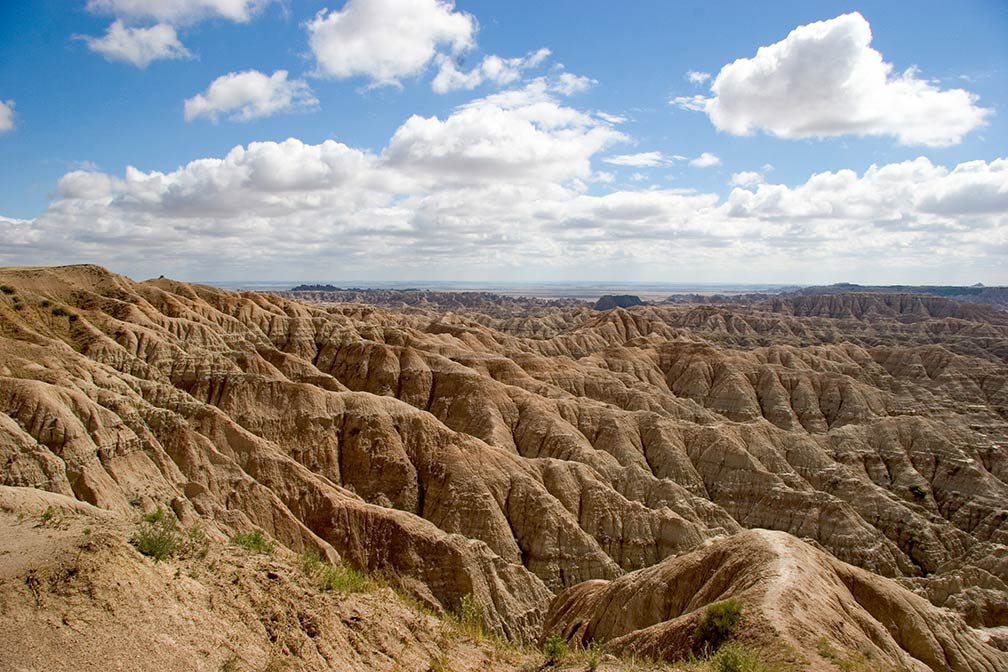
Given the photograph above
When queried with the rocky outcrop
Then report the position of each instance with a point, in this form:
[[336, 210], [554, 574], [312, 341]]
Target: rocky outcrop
[[792, 597], [509, 455]]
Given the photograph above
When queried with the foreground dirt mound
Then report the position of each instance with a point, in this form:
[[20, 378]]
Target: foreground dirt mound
[[506, 457], [74, 595], [803, 598]]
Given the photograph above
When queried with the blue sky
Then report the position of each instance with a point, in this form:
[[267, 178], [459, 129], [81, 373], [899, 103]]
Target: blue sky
[[597, 160]]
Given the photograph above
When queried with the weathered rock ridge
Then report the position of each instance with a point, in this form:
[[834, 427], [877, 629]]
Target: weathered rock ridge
[[509, 456]]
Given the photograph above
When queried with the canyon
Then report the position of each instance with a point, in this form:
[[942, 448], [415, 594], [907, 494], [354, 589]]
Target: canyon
[[835, 463]]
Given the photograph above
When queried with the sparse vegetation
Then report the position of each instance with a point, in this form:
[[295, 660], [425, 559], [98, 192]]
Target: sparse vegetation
[[157, 540], [345, 579], [48, 516], [195, 544], [469, 617], [555, 649], [156, 517], [341, 578], [60, 311], [734, 659], [593, 655], [254, 541], [45, 303], [850, 663], [438, 663], [918, 492], [6, 289], [717, 625]]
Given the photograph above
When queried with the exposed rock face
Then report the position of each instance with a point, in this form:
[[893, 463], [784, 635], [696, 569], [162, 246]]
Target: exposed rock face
[[802, 598], [511, 456], [610, 301]]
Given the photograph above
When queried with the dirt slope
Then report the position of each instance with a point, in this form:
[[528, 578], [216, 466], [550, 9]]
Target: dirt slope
[[508, 458]]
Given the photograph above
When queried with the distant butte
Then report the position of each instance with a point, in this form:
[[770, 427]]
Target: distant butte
[[610, 301]]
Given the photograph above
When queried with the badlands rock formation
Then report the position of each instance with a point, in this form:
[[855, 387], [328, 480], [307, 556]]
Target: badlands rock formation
[[513, 454]]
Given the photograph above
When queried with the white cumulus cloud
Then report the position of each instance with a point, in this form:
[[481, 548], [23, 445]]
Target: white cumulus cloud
[[706, 160], [507, 178], [247, 95], [522, 134], [746, 178], [138, 46], [492, 68], [178, 11], [568, 83], [6, 115], [824, 79], [387, 40], [697, 77]]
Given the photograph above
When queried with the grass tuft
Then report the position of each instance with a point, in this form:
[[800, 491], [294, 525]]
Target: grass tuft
[[341, 578], [734, 659], [157, 517], [254, 541], [48, 517], [593, 655], [555, 649], [470, 617]]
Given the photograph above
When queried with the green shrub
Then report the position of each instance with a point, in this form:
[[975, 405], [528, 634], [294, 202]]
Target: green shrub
[[555, 648], [918, 492], [60, 311], [6, 289], [254, 541], [717, 624], [156, 540]]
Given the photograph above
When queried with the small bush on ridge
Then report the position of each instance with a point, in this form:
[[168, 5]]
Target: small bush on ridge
[[717, 624]]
